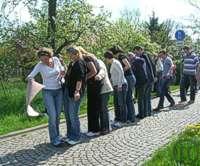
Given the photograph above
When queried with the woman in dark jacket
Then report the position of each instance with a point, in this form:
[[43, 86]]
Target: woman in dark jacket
[[93, 93], [74, 90]]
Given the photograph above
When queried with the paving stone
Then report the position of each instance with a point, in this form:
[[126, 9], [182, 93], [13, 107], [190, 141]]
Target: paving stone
[[130, 145]]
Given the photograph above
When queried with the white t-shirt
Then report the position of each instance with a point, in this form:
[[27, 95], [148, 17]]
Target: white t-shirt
[[117, 74], [50, 75]]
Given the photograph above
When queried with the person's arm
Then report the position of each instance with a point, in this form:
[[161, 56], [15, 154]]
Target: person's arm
[[196, 60], [92, 70], [126, 63], [77, 91], [80, 75], [102, 72], [171, 65], [34, 72], [120, 75], [61, 67]]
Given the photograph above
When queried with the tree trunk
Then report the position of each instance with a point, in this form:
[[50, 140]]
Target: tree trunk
[[52, 22]]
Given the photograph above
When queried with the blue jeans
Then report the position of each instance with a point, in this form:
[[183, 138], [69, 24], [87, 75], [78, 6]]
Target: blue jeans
[[71, 110], [53, 100], [165, 92], [120, 104], [158, 83], [104, 116], [184, 80], [147, 99], [129, 98]]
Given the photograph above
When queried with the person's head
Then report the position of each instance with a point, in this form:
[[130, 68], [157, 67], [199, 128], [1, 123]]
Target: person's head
[[187, 49], [108, 55], [44, 54], [162, 54], [86, 53], [116, 50], [138, 50], [131, 55], [74, 53]]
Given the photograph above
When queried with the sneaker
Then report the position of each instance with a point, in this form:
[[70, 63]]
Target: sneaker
[[123, 124], [92, 134], [139, 117], [191, 102], [182, 102], [172, 105], [57, 144], [156, 109], [105, 132], [117, 124], [72, 142], [66, 140]]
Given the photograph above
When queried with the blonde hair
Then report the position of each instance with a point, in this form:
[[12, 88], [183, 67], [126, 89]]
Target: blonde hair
[[44, 51], [86, 53]]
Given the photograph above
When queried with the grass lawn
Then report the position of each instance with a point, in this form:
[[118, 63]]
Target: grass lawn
[[184, 150], [12, 107]]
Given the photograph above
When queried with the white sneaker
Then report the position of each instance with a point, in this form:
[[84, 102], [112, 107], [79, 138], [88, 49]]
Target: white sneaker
[[66, 140], [91, 134], [117, 124], [71, 142]]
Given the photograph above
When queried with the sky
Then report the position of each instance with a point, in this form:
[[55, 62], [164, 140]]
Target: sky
[[177, 10]]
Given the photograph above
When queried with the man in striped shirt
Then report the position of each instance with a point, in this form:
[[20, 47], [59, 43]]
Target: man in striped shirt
[[190, 62]]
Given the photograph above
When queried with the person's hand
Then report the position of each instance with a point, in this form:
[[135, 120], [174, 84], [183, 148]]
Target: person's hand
[[119, 89], [76, 95], [97, 78], [62, 73]]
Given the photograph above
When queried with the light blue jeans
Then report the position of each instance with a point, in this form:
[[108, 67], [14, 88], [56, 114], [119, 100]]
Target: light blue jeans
[[53, 100], [71, 110]]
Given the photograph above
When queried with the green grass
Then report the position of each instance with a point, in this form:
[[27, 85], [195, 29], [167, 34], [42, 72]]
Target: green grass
[[12, 107], [184, 150], [174, 87]]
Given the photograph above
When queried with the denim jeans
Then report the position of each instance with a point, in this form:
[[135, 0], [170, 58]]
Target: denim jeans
[[71, 110], [104, 116], [129, 98], [53, 100], [191, 80], [158, 83], [141, 100], [165, 92], [120, 104], [147, 104]]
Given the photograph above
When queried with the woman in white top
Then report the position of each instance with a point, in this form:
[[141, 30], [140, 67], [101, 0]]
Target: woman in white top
[[104, 93], [119, 84], [51, 71]]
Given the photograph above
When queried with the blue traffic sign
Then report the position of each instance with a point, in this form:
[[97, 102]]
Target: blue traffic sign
[[180, 35]]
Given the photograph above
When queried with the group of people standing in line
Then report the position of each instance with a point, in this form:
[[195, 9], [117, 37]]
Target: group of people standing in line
[[127, 71]]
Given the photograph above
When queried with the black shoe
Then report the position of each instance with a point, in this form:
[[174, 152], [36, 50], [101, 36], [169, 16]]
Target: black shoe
[[172, 105], [139, 117], [105, 132], [191, 102], [156, 109]]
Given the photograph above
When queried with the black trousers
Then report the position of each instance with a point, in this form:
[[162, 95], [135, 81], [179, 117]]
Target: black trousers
[[187, 79], [93, 105]]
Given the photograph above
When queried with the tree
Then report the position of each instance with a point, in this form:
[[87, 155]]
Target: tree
[[67, 21], [160, 32]]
